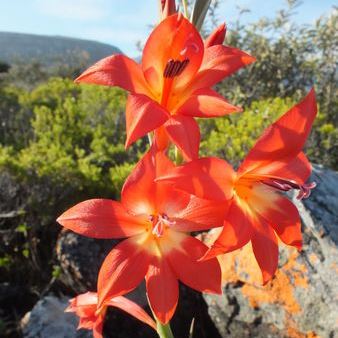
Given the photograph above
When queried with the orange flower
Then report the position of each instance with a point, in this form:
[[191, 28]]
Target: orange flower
[[172, 85], [85, 307], [258, 211], [157, 219]]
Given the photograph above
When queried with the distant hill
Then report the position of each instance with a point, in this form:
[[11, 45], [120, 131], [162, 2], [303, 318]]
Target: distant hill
[[49, 50]]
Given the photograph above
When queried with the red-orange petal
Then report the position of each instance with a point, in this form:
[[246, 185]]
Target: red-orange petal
[[236, 232], [116, 70], [133, 309], [285, 138], [175, 38], [184, 132], [265, 248], [140, 193], [98, 328], [122, 270], [101, 218], [216, 37], [142, 116], [204, 276], [283, 216], [209, 178], [162, 290], [207, 103], [199, 215], [296, 169], [219, 62]]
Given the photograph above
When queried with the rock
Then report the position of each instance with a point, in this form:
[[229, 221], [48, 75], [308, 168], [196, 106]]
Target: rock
[[301, 301], [48, 320], [80, 259]]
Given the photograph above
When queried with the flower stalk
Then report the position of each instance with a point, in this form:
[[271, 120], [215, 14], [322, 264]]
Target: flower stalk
[[164, 330]]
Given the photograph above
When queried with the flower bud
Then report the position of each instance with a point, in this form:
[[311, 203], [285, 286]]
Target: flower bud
[[216, 37], [168, 7]]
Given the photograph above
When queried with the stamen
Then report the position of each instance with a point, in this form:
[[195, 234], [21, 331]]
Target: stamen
[[160, 222], [285, 185], [175, 68]]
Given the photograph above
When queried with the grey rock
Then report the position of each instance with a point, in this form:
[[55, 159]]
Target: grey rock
[[301, 301], [48, 320], [80, 259]]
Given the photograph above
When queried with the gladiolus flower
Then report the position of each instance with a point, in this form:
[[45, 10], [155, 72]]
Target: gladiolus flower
[[85, 307], [172, 85], [258, 211], [157, 219]]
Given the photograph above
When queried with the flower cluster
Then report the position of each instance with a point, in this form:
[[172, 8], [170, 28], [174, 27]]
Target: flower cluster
[[162, 203]]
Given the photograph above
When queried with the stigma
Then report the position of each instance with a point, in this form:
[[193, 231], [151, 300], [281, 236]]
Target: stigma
[[286, 185], [175, 68]]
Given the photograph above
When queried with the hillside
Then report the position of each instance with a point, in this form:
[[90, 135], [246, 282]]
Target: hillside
[[48, 50]]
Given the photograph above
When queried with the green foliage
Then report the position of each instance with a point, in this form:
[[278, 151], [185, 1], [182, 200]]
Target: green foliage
[[71, 148], [77, 136]]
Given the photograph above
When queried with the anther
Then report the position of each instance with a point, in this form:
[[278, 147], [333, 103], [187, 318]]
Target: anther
[[175, 68]]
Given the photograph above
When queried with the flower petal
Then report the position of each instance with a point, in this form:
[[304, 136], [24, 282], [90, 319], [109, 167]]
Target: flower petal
[[265, 248], [185, 134], [175, 38], [216, 37], [142, 116], [285, 138], [209, 178], [123, 269], [98, 328], [207, 103], [297, 169], [236, 232], [133, 309], [116, 70], [283, 216], [139, 193], [162, 289], [219, 62], [204, 276], [101, 218], [199, 215]]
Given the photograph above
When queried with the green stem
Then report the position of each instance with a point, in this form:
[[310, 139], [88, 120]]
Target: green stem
[[164, 330]]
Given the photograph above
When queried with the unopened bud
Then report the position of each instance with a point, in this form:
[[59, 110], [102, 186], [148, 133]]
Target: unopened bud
[[168, 7], [216, 37]]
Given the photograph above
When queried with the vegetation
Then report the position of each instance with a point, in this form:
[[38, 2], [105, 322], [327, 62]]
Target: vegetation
[[61, 143]]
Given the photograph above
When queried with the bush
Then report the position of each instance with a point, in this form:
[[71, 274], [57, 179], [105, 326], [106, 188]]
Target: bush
[[70, 148]]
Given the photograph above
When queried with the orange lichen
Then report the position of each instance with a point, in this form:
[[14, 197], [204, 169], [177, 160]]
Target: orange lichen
[[292, 331], [241, 266]]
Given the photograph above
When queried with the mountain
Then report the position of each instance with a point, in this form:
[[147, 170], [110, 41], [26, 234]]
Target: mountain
[[49, 50]]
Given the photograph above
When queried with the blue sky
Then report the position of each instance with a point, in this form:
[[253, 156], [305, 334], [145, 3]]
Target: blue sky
[[122, 22]]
